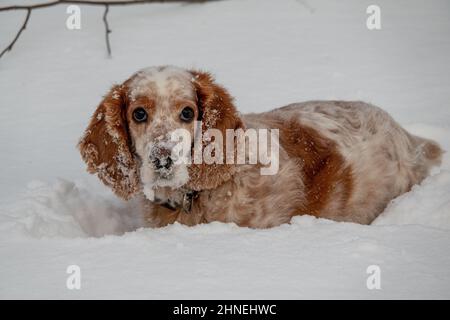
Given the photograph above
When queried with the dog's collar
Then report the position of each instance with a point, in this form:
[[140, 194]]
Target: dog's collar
[[186, 202]]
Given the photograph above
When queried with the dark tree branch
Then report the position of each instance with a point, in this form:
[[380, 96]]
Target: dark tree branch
[[24, 25], [107, 30], [94, 3], [106, 4]]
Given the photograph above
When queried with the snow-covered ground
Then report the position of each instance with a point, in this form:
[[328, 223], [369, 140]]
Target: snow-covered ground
[[267, 53]]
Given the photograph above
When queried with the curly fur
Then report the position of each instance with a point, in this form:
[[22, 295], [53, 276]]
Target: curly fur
[[342, 160]]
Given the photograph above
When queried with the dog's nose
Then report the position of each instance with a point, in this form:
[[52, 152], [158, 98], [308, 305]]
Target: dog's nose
[[161, 163], [160, 157]]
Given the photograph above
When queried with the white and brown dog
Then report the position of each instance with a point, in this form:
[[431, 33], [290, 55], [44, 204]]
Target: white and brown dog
[[339, 160]]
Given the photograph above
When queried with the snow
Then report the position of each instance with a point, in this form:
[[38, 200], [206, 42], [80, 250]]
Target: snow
[[267, 53], [149, 79]]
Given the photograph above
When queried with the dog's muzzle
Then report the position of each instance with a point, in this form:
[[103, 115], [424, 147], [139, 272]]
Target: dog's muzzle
[[161, 158]]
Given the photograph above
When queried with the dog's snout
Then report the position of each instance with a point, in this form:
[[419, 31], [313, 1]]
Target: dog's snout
[[162, 163], [161, 158]]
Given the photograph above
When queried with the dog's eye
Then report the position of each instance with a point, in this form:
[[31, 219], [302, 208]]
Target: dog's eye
[[187, 114], [139, 115]]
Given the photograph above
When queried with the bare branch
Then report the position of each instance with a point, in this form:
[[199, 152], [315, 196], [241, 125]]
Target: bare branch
[[32, 7], [107, 30], [94, 3], [24, 25]]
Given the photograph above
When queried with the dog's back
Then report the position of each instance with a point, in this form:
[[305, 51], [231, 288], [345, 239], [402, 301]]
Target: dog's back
[[379, 160]]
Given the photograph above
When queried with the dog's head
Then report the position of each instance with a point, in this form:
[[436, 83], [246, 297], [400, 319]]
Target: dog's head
[[130, 139]]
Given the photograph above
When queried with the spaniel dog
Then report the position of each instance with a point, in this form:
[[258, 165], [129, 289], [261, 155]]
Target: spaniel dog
[[340, 160]]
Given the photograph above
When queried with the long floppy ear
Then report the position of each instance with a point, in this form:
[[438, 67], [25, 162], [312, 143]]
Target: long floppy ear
[[217, 111], [105, 145]]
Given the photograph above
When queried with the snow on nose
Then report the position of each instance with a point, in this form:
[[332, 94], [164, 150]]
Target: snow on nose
[[163, 162], [160, 157]]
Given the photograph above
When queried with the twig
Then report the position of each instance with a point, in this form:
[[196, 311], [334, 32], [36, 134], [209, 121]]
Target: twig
[[106, 4], [94, 3], [24, 25], [107, 30]]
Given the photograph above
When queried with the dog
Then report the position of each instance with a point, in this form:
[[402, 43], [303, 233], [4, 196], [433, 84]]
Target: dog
[[340, 160]]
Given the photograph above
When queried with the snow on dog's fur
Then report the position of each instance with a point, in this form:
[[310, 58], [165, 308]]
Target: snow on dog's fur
[[342, 160]]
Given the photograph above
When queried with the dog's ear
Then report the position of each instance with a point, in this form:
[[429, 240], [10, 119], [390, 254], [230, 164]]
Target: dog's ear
[[105, 145], [217, 111], [216, 104]]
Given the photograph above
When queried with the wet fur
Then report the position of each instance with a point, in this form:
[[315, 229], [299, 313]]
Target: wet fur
[[341, 160]]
